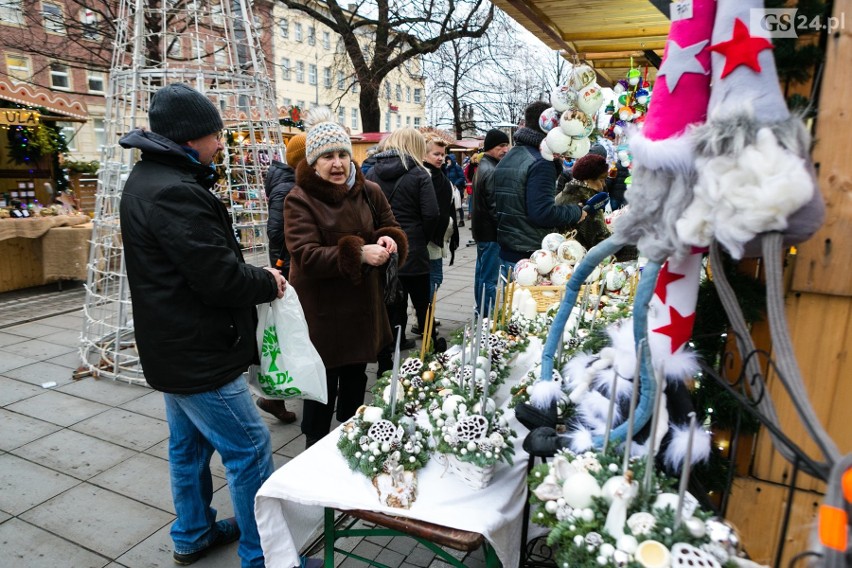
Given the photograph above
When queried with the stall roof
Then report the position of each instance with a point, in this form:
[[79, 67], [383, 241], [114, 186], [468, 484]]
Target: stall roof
[[604, 33], [34, 96]]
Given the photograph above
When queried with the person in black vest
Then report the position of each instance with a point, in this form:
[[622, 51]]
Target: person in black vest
[[524, 190]]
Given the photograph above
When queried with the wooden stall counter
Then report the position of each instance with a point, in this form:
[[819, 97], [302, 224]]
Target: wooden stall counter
[[26, 244]]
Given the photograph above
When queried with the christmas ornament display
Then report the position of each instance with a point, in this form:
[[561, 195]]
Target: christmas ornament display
[[573, 108]]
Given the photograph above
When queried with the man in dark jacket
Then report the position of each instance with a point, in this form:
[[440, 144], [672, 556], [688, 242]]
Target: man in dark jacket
[[280, 179], [524, 190], [193, 302], [484, 222]]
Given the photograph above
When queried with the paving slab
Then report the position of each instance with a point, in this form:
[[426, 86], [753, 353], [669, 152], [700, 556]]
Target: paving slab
[[72, 321], [44, 407], [390, 557], [32, 330], [39, 349], [12, 390], [68, 337], [70, 360], [105, 391], [19, 430], [109, 523], [151, 404], [156, 552], [10, 361], [74, 454], [41, 372], [144, 478], [24, 484], [27, 546], [125, 428], [11, 339]]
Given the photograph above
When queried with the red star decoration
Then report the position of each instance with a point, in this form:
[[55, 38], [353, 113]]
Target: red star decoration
[[679, 328], [741, 49], [664, 279]]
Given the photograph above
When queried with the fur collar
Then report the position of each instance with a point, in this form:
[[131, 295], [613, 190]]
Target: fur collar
[[315, 186]]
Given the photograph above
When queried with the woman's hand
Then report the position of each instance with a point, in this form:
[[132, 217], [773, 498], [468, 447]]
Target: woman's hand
[[280, 281], [387, 243], [375, 255]]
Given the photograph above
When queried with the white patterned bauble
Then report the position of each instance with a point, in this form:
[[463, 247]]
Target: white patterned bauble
[[552, 241], [578, 147], [549, 119], [527, 275], [581, 76], [562, 98], [543, 260], [590, 99], [560, 274], [557, 141]]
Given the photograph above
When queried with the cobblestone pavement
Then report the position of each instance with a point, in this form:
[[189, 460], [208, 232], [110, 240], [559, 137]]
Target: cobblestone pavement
[[83, 463]]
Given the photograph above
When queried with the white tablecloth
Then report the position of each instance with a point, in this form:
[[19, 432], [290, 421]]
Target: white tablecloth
[[289, 506]]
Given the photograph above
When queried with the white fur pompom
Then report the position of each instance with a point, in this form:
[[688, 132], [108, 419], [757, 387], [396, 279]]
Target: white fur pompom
[[317, 115], [544, 393], [676, 450], [580, 440]]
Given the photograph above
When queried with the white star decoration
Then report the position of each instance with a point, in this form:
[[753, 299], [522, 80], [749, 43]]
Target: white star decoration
[[680, 60]]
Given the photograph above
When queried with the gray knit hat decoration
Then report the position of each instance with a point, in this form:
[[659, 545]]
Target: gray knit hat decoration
[[180, 113], [325, 137]]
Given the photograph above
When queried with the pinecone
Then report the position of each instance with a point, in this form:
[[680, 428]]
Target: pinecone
[[514, 328], [411, 408]]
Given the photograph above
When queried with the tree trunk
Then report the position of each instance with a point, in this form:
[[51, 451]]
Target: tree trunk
[[371, 115]]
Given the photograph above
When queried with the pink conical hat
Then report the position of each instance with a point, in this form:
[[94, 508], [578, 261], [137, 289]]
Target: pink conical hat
[[682, 89]]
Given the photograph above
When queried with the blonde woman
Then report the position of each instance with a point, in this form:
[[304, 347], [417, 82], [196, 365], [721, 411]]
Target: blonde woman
[[406, 183]]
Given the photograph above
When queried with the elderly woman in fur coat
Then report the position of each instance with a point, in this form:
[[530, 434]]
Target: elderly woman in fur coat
[[338, 245], [588, 178]]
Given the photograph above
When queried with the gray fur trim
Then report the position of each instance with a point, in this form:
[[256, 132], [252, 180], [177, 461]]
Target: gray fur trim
[[657, 200], [730, 135]]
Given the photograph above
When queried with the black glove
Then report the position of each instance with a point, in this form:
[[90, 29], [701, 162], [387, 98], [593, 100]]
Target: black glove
[[596, 202], [532, 417], [544, 442]]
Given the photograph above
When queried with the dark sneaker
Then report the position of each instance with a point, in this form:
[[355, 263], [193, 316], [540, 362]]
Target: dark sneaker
[[227, 532], [407, 344], [276, 408], [415, 329]]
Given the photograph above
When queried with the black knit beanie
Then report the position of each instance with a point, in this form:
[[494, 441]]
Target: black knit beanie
[[533, 112], [180, 113], [494, 138]]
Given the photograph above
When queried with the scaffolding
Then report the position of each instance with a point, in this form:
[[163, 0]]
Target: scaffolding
[[215, 47]]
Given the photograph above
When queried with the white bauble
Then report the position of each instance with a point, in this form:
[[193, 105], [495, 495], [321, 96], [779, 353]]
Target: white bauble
[[560, 274], [557, 141], [562, 98], [581, 76], [451, 403], [543, 260], [549, 119], [594, 276], [578, 494], [552, 241], [527, 275], [573, 122], [627, 543], [590, 99], [578, 147], [615, 279], [570, 251], [481, 362], [372, 414], [545, 150]]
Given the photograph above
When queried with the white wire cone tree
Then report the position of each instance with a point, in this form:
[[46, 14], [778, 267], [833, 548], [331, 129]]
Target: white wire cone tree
[[215, 47]]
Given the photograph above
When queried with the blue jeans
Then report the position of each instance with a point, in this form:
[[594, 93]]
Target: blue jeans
[[224, 420], [485, 275], [436, 275]]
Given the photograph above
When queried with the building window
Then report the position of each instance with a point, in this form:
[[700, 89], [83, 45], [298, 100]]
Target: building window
[[300, 71], [54, 21], [217, 14], [59, 78], [398, 121], [199, 51], [298, 32], [12, 12], [96, 82], [174, 49], [354, 118], [408, 121], [408, 94], [301, 105], [326, 77], [326, 40], [100, 132], [288, 102], [220, 53], [398, 93], [312, 35], [284, 26], [341, 115], [341, 80], [285, 69], [418, 96], [387, 91], [69, 132], [312, 74], [18, 67], [355, 87], [89, 24], [416, 122], [387, 122]]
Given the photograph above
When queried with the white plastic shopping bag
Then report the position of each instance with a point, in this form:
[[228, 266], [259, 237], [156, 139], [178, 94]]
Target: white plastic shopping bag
[[290, 366]]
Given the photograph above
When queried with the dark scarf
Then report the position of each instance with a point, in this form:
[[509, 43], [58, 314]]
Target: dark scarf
[[529, 137]]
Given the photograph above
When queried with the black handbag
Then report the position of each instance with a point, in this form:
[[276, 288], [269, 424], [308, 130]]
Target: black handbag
[[393, 293]]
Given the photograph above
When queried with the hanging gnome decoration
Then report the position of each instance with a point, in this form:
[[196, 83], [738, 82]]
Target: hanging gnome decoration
[[663, 177], [570, 120]]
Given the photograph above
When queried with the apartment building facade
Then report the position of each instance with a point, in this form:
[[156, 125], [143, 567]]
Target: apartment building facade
[[311, 68]]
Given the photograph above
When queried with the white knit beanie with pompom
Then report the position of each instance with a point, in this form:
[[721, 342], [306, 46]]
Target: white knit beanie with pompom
[[324, 135]]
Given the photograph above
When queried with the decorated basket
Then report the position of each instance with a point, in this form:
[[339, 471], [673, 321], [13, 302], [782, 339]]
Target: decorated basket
[[546, 296], [475, 476]]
